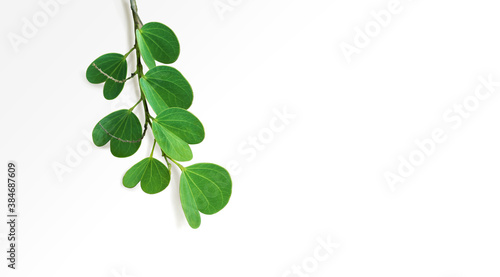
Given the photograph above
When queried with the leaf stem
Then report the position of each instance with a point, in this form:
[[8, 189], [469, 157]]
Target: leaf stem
[[169, 165], [153, 150], [150, 117], [176, 163], [138, 102], [130, 51], [179, 165]]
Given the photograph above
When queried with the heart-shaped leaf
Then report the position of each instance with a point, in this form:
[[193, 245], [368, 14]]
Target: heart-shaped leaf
[[165, 87], [204, 188], [111, 69], [176, 128], [153, 175], [124, 130], [161, 41], [144, 49]]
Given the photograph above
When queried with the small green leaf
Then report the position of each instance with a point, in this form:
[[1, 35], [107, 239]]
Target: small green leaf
[[165, 87], [183, 124], [111, 69], [144, 49], [175, 129], [108, 63], [124, 130], [112, 89], [171, 144], [153, 175], [161, 41], [210, 187], [135, 173]]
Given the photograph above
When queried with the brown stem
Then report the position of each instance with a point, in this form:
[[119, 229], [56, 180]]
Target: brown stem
[[135, 14], [140, 73]]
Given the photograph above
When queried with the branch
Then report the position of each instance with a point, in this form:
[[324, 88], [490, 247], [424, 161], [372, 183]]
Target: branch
[[135, 14]]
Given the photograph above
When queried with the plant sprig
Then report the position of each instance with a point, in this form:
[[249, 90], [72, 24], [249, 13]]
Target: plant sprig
[[204, 187]]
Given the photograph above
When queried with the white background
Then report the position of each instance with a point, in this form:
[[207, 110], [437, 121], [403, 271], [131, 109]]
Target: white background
[[320, 177]]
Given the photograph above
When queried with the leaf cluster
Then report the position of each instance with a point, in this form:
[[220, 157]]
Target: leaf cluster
[[204, 187]]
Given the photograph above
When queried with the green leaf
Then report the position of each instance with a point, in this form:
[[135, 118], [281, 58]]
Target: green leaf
[[123, 129], [206, 188], [176, 128], [161, 41], [153, 175], [182, 124], [144, 49], [165, 87], [112, 89], [111, 69], [171, 144], [188, 204]]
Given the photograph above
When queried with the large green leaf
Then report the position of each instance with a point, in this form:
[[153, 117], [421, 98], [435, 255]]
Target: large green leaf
[[153, 175], [176, 128], [188, 204], [144, 49], [124, 130], [111, 69], [206, 188], [165, 87], [161, 41]]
